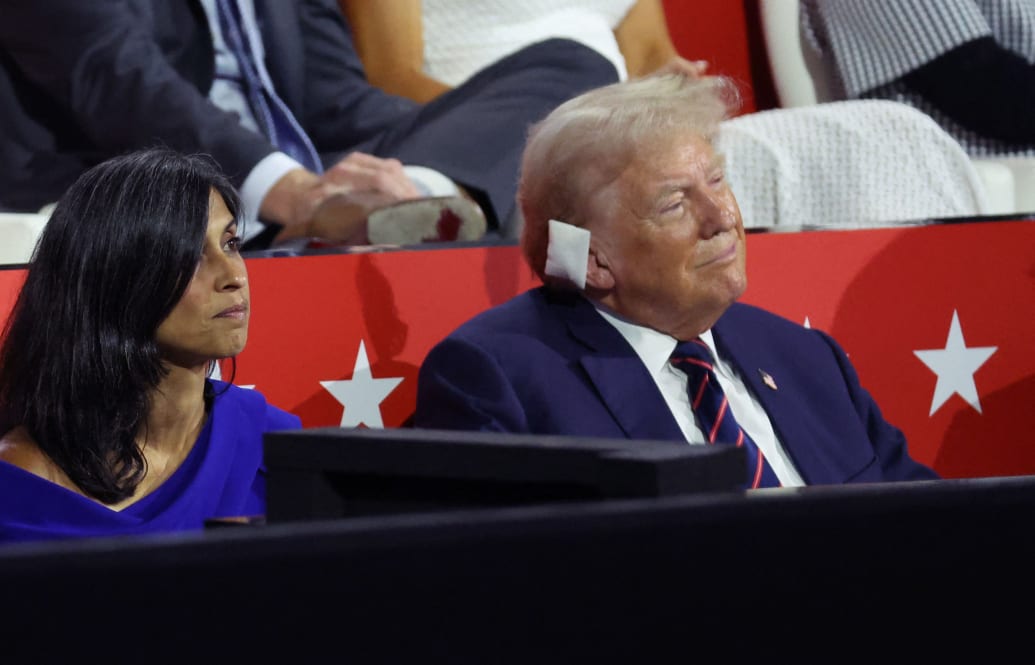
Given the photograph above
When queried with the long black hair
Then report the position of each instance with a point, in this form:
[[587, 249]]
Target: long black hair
[[79, 359]]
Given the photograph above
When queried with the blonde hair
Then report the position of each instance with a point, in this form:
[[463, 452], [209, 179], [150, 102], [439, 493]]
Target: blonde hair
[[586, 142]]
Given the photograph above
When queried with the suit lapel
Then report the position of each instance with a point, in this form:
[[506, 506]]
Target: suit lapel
[[619, 376], [282, 41]]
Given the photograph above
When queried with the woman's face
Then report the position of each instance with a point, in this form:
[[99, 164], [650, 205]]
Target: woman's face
[[211, 319]]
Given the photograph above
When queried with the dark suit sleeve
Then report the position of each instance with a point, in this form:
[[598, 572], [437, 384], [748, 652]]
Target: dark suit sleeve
[[460, 386], [889, 443], [100, 63]]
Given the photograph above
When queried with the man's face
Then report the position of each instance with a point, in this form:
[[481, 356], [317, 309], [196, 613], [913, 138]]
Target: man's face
[[670, 233], [211, 319]]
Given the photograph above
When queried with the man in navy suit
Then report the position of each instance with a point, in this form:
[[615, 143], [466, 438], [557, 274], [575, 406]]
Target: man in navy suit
[[639, 241], [83, 81]]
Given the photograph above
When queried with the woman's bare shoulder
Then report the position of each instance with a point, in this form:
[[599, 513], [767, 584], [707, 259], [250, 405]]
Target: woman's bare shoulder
[[18, 448]]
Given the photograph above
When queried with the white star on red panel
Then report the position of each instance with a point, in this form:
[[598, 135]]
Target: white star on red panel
[[955, 366], [362, 394]]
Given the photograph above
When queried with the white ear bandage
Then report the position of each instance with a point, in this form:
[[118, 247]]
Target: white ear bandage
[[567, 252]]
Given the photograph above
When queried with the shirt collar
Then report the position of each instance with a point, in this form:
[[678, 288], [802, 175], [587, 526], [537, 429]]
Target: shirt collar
[[653, 347]]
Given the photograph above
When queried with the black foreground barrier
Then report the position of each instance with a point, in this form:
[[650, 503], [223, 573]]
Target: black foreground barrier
[[329, 472], [839, 574]]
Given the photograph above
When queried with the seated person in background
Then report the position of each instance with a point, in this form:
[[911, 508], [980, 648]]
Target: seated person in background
[[969, 64], [638, 239], [274, 91], [423, 48], [108, 424]]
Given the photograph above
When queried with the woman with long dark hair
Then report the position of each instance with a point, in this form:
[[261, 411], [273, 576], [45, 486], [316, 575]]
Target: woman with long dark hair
[[109, 422]]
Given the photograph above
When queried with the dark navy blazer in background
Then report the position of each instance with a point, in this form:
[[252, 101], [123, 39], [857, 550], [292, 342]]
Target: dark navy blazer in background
[[83, 81]]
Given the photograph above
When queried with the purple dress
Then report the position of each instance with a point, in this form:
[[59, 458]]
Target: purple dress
[[222, 476]]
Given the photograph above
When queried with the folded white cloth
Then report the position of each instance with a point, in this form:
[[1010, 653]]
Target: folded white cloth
[[848, 164]]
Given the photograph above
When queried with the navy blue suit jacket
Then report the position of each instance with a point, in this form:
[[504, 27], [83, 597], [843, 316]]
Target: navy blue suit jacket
[[548, 363], [83, 81]]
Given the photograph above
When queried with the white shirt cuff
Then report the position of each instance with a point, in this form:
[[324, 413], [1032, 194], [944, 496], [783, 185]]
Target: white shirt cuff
[[266, 173]]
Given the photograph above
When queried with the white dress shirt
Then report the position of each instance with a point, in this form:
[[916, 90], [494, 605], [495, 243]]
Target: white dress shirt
[[655, 348]]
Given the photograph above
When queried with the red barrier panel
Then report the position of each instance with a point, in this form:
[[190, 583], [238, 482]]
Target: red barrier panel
[[722, 34], [939, 320]]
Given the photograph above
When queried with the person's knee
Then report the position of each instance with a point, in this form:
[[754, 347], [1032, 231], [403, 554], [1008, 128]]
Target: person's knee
[[571, 57]]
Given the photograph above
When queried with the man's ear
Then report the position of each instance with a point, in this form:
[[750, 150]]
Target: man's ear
[[598, 269]]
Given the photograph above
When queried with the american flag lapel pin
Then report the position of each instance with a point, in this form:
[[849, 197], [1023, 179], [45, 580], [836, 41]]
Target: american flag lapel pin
[[767, 379]]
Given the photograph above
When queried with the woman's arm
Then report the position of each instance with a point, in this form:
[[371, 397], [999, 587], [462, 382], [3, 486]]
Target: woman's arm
[[389, 38], [646, 44]]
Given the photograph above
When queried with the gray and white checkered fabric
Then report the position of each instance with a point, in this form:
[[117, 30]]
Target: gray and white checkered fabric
[[870, 44]]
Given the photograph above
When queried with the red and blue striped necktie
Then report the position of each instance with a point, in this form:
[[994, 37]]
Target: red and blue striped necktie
[[711, 408]]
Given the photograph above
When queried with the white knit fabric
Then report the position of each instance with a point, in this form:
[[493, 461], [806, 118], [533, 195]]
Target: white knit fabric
[[847, 164], [463, 36]]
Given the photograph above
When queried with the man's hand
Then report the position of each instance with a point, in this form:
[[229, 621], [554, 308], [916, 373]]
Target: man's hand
[[335, 206], [342, 216], [360, 172]]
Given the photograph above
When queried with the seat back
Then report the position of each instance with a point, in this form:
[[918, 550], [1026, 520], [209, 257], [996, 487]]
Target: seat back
[[792, 74], [800, 74]]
